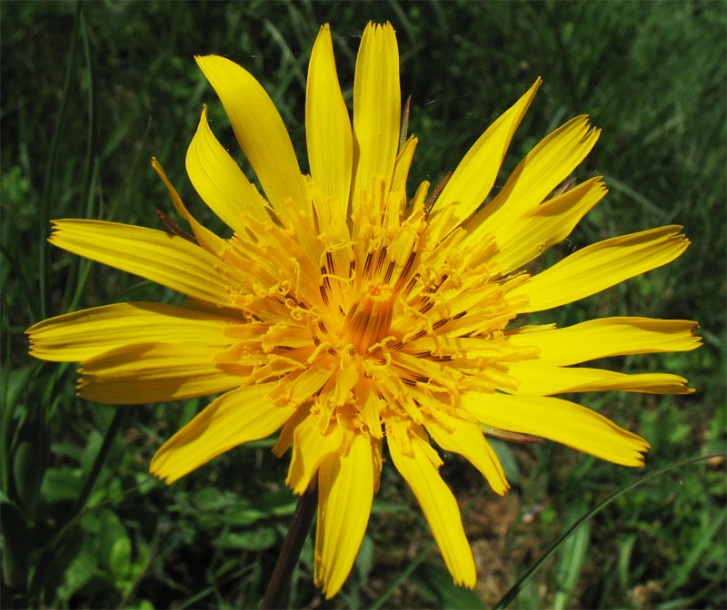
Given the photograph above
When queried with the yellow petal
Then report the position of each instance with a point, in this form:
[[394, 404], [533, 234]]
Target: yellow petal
[[544, 168], [206, 238], [472, 181], [240, 416], [604, 337], [78, 336], [310, 449], [260, 131], [302, 386], [538, 379], [420, 471], [600, 266], [345, 496], [327, 126], [152, 372], [403, 164], [165, 259], [219, 181], [542, 227], [376, 107], [558, 420], [466, 439]]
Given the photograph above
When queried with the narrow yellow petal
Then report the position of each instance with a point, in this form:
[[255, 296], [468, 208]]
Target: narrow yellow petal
[[152, 372], [467, 440], [538, 379], [420, 471], [376, 107], [310, 448], [302, 386], [327, 126], [600, 266], [78, 336], [544, 168], [206, 238], [472, 181], [403, 164], [237, 417], [558, 420], [219, 181], [540, 228], [345, 496], [165, 259], [604, 337], [260, 131]]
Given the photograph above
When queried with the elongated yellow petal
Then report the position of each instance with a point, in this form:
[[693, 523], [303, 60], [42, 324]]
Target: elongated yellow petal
[[538, 379], [328, 127], [296, 389], [205, 238], [220, 181], [152, 372], [260, 131], [466, 439], [604, 337], [559, 420], [544, 168], [376, 107], [541, 227], [600, 266], [472, 181], [345, 496], [78, 336], [237, 417], [165, 259], [420, 470], [310, 449]]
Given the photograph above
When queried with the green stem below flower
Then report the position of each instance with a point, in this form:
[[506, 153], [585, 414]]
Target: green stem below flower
[[292, 547]]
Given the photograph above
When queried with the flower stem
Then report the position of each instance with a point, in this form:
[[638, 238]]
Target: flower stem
[[293, 545]]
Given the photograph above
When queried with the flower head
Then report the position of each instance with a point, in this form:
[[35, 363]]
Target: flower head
[[355, 317]]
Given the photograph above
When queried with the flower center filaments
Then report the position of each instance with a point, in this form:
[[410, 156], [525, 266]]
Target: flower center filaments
[[369, 318]]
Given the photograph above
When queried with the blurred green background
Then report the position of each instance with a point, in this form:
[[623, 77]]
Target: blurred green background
[[89, 96]]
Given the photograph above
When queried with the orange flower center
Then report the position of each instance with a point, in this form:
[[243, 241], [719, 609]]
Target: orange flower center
[[369, 318]]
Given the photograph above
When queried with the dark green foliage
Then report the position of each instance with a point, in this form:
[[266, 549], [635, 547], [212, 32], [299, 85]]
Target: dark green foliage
[[91, 92]]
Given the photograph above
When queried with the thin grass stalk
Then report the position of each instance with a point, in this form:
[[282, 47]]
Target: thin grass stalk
[[45, 204], [515, 590]]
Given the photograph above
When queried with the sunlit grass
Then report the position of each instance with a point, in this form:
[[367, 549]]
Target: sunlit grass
[[651, 75]]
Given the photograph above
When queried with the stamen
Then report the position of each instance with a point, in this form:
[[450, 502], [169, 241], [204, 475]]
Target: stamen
[[325, 286], [439, 323], [411, 284], [389, 272], [382, 258], [407, 268], [367, 265]]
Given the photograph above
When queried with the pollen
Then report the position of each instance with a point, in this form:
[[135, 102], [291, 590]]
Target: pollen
[[369, 318]]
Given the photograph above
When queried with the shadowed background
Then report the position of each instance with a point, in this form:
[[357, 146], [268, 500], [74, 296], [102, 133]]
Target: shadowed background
[[88, 97]]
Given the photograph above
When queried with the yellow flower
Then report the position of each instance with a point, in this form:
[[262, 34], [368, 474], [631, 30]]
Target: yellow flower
[[345, 311]]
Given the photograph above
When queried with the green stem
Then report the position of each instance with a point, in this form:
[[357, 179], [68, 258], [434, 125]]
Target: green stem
[[293, 545]]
